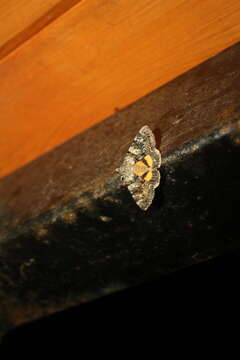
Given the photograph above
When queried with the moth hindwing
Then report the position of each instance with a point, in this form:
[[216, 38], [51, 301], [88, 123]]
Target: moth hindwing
[[139, 170]]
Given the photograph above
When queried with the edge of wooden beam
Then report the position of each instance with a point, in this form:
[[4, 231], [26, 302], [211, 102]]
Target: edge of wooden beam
[[188, 107]]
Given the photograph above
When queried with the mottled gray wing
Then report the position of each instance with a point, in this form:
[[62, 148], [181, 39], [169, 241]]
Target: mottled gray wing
[[142, 193], [156, 158], [143, 143], [141, 190]]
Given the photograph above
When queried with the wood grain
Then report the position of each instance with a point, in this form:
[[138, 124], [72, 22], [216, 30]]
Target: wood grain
[[99, 56], [22, 19], [16, 16]]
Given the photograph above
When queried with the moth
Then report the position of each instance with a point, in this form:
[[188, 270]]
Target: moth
[[139, 170]]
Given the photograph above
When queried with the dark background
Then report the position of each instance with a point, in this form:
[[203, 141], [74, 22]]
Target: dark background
[[203, 294]]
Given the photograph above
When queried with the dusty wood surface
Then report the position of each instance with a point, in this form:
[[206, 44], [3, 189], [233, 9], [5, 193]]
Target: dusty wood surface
[[98, 56], [182, 110]]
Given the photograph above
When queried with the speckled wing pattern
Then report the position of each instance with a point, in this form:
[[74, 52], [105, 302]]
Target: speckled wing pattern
[[139, 171]]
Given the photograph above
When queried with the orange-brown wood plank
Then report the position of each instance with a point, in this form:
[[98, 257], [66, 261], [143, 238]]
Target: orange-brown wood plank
[[22, 19], [99, 56], [17, 15]]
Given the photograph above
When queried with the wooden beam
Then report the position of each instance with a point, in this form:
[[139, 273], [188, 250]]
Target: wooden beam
[[186, 108], [108, 244], [98, 57]]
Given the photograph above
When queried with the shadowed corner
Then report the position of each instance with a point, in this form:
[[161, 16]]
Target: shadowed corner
[[164, 299], [5, 325]]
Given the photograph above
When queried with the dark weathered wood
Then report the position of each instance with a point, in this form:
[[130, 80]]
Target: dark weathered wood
[[166, 302], [65, 258], [188, 107]]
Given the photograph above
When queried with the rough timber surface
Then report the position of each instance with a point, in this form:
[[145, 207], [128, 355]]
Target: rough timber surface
[[90, 251]]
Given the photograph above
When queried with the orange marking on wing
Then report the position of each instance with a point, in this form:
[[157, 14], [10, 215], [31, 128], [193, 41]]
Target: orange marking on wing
[[148, 160], [140, 168], [148, 176]]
